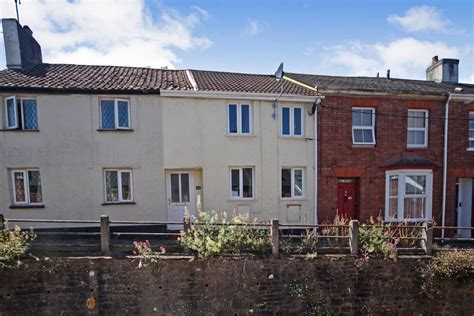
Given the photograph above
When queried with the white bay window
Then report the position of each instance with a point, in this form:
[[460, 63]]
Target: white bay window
[[408, 195]]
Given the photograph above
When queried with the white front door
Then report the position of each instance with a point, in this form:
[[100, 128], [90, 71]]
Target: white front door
[[464, 210], [180, 186]]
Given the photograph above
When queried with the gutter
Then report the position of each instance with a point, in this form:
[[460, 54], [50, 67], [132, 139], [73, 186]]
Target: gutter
[[237, 95]]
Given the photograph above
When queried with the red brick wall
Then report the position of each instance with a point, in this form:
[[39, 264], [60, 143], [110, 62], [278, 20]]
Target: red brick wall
[[339, 158]]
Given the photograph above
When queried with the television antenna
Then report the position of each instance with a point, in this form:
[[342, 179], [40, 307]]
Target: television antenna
[[17, 2]]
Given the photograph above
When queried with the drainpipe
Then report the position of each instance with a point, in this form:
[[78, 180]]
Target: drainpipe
[[445, 163], [315, 119]]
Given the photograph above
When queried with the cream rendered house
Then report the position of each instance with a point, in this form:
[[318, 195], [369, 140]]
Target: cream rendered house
[[80, 141]]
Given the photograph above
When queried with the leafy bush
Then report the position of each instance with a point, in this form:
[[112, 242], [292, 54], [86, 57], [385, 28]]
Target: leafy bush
[[213, 235], [13, 244], [145, 253], [378, 239], [456, 266]]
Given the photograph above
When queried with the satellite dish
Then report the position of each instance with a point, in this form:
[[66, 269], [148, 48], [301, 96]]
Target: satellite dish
[[279, 72]]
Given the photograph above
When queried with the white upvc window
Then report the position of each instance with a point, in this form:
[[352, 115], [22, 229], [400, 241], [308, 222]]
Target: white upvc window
[[363, 126], [471, 131], [241, 183], [408, 195], [292, 121], [239, 119], [26, 187], [21, 113], [292, 183], [118, 185], [417, 129], [114, 114]]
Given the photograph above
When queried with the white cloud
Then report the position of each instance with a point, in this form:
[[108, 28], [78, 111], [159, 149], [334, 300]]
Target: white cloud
[[253, 27], [112, 32], [406, 58], [421, 18]]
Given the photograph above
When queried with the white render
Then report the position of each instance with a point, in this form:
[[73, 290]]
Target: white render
[[169, 133]]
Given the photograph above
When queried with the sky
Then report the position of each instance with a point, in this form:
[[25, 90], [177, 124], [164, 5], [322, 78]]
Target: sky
[[334, 37]]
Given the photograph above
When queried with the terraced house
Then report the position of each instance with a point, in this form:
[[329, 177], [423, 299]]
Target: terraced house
[[139, 143]]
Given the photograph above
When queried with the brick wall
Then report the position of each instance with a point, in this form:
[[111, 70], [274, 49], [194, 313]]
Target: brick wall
[[224, 287], [339, 158]]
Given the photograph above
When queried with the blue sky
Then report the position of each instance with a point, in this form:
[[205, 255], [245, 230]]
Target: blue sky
[[323, 37]]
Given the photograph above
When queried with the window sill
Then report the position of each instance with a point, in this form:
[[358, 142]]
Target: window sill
[[470, 149], [295, 200], [416, 147], [240, 135], [19, 130], [241, 199], [363, 145], [27, 206], [292, 137], [115, 130], [118, 203]]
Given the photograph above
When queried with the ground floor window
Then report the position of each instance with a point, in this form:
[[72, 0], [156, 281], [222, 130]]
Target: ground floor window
[[241, 183], [292, 183], [26, 185], [118, 186], [408, 195]]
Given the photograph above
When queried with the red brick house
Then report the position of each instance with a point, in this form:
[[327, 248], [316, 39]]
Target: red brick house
[[381, 147]]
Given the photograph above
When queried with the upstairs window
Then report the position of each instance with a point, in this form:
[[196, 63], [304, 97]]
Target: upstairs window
[[408, 195], [239, 119], [241, 183], [115, 114], [26, 185], [471, 130], [363, 126], [21, 113], [417, 136], [118, 186], [292, 183], [292, 121]]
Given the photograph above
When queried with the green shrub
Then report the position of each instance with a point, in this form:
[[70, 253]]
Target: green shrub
[[13, 244], [207, 239], [378, 239], [456, 266]]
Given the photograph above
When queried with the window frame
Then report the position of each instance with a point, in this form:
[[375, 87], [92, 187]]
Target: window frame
[[241, 183], [372, 128], [402, 174], [22, 113], [292, 183], [417, 129], [239, 119], [15, 106], [470, 139], [119, 184], [116, 115], [26, 183], [292, 122]]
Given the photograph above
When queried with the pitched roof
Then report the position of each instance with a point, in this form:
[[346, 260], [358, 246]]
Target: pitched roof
[[246, 83], [98, 79], [373, 84]]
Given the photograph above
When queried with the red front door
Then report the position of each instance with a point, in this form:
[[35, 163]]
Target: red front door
[[347, 199]]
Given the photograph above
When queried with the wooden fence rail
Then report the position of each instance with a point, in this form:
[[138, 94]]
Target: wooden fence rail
[[274, 227]]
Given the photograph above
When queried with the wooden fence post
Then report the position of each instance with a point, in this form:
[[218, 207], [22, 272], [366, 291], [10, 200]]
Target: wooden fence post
[[427, 237], [275, 234], [354, 236], [105, 234], [2, 222]]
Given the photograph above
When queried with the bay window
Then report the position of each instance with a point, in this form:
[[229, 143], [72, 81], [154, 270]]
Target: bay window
[[408, 195]]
